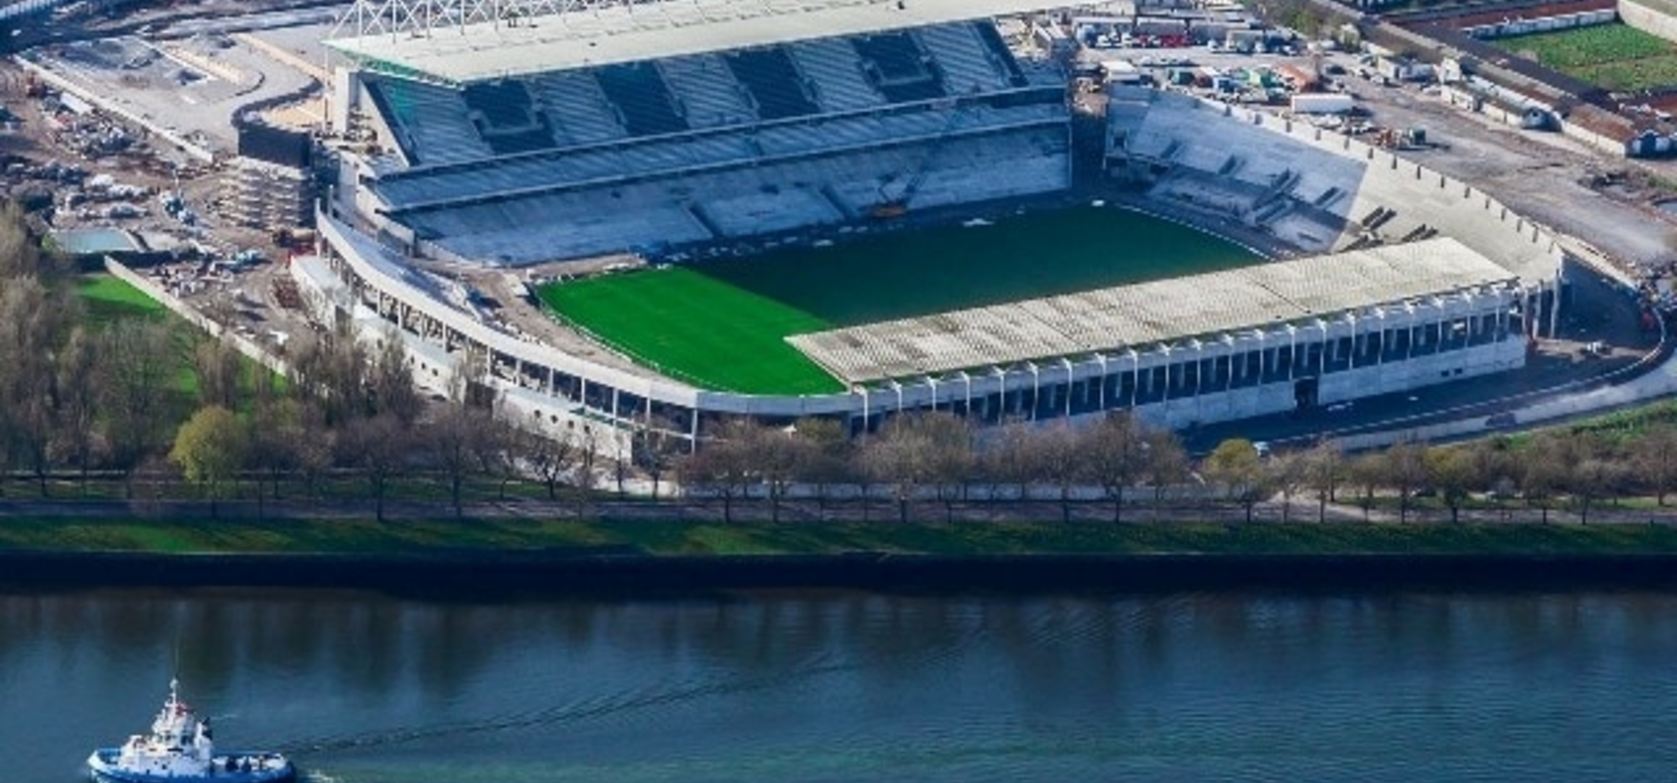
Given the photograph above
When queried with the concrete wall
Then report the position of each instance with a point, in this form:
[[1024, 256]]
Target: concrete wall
[[1655, 17], [1541, 24], [1606, 144], [1341, 386]]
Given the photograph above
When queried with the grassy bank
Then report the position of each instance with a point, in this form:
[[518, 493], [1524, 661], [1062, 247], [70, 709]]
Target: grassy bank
[[678, 538]]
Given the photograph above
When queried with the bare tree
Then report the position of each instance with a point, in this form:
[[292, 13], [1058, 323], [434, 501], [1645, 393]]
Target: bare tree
[[1367, 472], [826, 459], [20, 254], [32, 326], [451, 438], [950, 456], [724, 466], [139, 363], [1055, 454], [1654, 458], [1115, 455], [76, 432], [496, 451], [655, 452], [274, 434], [552, 457], [1286, 473], [1167, 463], [1003, 461], [588, 441], [315, 446], [331, 366], [390, 381], [219, 368], [377, 447], [1546, 470], [1323, 465], [774, 455], [1406, 473], [1594, 471], [916, 450], [1493, 468]]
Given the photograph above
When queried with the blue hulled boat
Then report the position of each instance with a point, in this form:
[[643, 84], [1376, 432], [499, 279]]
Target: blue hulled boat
[[179, 749]]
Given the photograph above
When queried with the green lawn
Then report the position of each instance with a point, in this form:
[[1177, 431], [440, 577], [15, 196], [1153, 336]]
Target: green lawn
[[723, 324], [685, 538], [1616, 56], [108, 299], [696, 328]]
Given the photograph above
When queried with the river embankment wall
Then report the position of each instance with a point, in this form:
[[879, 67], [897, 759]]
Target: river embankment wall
[[618, 572]]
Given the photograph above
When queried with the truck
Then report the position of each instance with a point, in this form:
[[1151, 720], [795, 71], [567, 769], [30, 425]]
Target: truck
[[1321, 103]]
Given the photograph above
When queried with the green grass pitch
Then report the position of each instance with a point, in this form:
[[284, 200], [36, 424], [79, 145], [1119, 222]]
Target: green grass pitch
[[1616, 56], [696, 328], [722, 324]]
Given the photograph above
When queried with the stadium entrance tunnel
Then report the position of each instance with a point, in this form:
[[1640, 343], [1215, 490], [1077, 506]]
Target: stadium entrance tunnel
[[1304, 393]]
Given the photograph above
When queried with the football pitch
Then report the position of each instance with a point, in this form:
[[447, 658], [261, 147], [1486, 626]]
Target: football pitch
[[722, 325]]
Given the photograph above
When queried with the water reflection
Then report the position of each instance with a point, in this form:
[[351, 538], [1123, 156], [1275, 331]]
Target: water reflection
[[831, 686]]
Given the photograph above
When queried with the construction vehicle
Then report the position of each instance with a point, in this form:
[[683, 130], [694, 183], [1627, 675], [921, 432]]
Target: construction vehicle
[[1402, 139]]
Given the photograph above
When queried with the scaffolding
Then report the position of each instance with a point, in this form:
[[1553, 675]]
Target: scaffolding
[[269, 196]]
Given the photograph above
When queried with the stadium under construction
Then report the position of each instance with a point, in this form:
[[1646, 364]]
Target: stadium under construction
[[507, 135]]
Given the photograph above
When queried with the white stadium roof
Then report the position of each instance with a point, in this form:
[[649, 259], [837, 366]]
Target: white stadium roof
[[1115, 319], [628, 31]]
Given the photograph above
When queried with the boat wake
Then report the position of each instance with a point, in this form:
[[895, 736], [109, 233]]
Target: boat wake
[[586, 710]]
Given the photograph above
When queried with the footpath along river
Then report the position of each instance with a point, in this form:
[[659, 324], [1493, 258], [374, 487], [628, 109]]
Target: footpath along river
[[797, 687]]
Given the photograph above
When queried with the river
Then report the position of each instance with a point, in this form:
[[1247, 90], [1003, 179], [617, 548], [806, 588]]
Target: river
[[840, 686]]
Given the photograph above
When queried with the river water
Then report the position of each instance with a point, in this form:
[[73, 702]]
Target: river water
[[862, 687]]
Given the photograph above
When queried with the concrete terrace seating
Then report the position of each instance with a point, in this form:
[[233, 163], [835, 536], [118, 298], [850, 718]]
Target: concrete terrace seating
[[706, 87], [773, 80], [1344, 193], [1245, 165], [966, 64], [577, 108], [743, 202], [896, 65], [670, 156], [744, 209], [833, 67], [639, 93], [502, 104], [577, 166], [992, 39], [433, 119], [506, 118], [570, 230]]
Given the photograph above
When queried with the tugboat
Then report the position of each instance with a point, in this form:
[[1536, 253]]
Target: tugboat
[[179, 750]]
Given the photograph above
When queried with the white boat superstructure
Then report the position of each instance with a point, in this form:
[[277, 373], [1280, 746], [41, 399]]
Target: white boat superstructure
[[180, 748]]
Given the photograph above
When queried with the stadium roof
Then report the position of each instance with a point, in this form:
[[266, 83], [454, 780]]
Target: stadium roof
[[630, 32], [1149, 314]]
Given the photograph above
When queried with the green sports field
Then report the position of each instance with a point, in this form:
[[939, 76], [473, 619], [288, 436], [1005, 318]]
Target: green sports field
[[1616, 56], [722, 325]]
